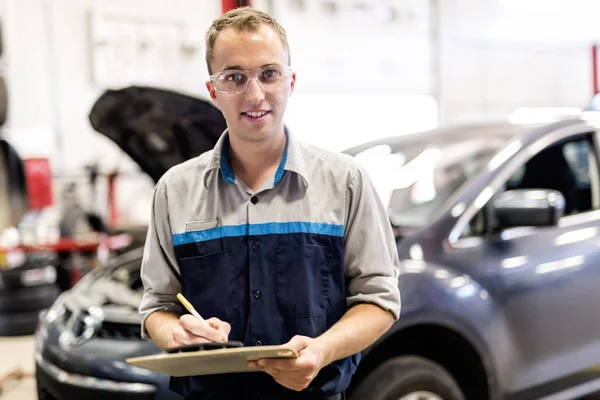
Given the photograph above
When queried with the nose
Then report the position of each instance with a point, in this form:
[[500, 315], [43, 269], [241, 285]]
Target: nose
[[254, 92]]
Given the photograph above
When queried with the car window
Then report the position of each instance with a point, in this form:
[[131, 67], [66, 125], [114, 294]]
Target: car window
[[566, 167], [413, 182], [477, 226]]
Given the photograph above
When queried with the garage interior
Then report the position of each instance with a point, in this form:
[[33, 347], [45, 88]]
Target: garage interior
[[75, 139]]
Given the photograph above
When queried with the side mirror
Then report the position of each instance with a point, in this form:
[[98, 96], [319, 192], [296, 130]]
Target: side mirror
[[529, 207]]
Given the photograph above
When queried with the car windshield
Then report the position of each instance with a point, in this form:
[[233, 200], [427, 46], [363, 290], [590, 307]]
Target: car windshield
[[414, 180]]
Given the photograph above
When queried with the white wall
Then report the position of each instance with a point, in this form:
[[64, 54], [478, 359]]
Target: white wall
[[499, 55], [51, 87], [480, 59], [360, 74]]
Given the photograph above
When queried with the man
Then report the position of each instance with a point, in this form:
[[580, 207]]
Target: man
[[273, 241]]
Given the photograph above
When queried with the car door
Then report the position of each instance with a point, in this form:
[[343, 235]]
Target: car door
[[546, 280]]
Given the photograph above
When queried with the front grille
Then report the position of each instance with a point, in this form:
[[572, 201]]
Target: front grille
[[116, 330], [82, 326]]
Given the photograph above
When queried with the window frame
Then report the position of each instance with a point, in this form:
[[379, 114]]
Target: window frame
[[497, 184]]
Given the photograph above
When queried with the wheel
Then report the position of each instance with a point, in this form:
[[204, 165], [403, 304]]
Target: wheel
[[18, 324], [28, 299], [408, 378]]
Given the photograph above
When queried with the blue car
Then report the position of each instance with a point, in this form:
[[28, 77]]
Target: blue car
[[82, 341], [497, 231]]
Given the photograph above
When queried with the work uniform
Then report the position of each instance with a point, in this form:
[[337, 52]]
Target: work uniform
[[289, 259]]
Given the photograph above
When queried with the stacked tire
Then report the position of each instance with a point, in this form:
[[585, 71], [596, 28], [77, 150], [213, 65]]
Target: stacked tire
[[24, 292]]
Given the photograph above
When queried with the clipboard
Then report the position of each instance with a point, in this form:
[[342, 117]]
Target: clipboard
[[210, 362]]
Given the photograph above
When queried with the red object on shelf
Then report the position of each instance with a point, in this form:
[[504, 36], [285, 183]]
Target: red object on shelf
[[228, 5], [114, 217], [38, 177]]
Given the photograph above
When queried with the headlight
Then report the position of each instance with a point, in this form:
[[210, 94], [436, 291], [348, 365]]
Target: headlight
[[39, 276], [57, 310]]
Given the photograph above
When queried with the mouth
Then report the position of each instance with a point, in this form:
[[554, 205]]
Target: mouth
[[255, 115]]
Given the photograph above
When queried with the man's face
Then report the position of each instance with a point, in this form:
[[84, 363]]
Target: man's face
[[250, 50]]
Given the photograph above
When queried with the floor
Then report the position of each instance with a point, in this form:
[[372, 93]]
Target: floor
[[17, 352]]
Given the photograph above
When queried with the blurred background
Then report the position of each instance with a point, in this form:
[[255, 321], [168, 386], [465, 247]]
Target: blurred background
[[366, 70]]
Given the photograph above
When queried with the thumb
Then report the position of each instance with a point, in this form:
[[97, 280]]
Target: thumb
[[298, 343]]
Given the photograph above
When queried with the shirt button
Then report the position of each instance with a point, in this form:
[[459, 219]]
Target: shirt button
[[254, 199], [258, 343], [257, 294], [255, 245]]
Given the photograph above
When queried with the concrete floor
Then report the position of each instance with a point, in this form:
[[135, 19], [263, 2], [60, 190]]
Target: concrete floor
[[17, 352]]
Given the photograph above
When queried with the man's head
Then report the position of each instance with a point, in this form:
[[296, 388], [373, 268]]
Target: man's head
[[242, 19], [248, 57]]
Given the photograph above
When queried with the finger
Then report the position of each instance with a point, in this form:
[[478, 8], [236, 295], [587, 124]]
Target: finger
[[201, 328], [219, 325], [298, 343], [288, 365], [183, 337], [174, 342]]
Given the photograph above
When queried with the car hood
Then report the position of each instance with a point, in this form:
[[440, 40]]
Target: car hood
[[157, 128], [115, 290]]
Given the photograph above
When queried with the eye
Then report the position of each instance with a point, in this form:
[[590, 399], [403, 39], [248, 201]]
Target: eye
[[271, 73], [234, 77]]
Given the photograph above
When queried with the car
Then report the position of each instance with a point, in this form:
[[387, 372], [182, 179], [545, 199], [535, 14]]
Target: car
[[497, 234], [82, 341]]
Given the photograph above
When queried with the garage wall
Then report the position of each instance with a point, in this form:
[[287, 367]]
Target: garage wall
[[364, 69], [52, 86], [499, 55], [480, 59], [49, 56]]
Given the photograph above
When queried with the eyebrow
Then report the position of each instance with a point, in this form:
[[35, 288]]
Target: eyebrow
[[230, 67]]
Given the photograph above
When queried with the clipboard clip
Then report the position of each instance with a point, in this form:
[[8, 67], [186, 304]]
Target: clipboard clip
[[205, 346]]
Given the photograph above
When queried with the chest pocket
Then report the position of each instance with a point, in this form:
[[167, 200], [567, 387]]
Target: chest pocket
[[302, 276], [209, 277]]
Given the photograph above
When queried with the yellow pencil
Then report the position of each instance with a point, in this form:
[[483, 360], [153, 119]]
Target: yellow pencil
[[190, 308]]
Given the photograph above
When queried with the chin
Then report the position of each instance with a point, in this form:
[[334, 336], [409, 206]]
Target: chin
[[257, 134]]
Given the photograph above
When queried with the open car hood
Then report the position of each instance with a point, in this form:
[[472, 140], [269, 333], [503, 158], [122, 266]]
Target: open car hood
[[157, 128]]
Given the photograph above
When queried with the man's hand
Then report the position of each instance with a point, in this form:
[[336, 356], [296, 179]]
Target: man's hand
[[190, 330], [298, 373]]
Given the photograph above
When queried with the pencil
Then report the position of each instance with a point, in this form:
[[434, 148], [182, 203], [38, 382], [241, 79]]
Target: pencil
[[190, 308]]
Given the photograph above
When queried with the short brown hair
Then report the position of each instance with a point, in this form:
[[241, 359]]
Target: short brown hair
[[243, 18]]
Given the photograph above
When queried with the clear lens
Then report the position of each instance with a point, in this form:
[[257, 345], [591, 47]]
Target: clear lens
[[236, 81]]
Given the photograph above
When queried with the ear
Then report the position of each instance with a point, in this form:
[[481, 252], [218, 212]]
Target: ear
[[293, 83], [212, 92]]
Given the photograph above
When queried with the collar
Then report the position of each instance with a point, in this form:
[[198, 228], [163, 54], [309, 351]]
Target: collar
[[292, 161]]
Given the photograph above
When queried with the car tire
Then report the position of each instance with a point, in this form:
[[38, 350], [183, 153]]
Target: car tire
[[27, 299], [18, 324], [401, 377]]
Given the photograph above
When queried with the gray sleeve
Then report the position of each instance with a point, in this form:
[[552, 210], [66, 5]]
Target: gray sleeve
[[371, 257], [159, 273]]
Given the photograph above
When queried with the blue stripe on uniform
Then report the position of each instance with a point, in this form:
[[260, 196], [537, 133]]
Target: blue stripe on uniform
[[271, 228]]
